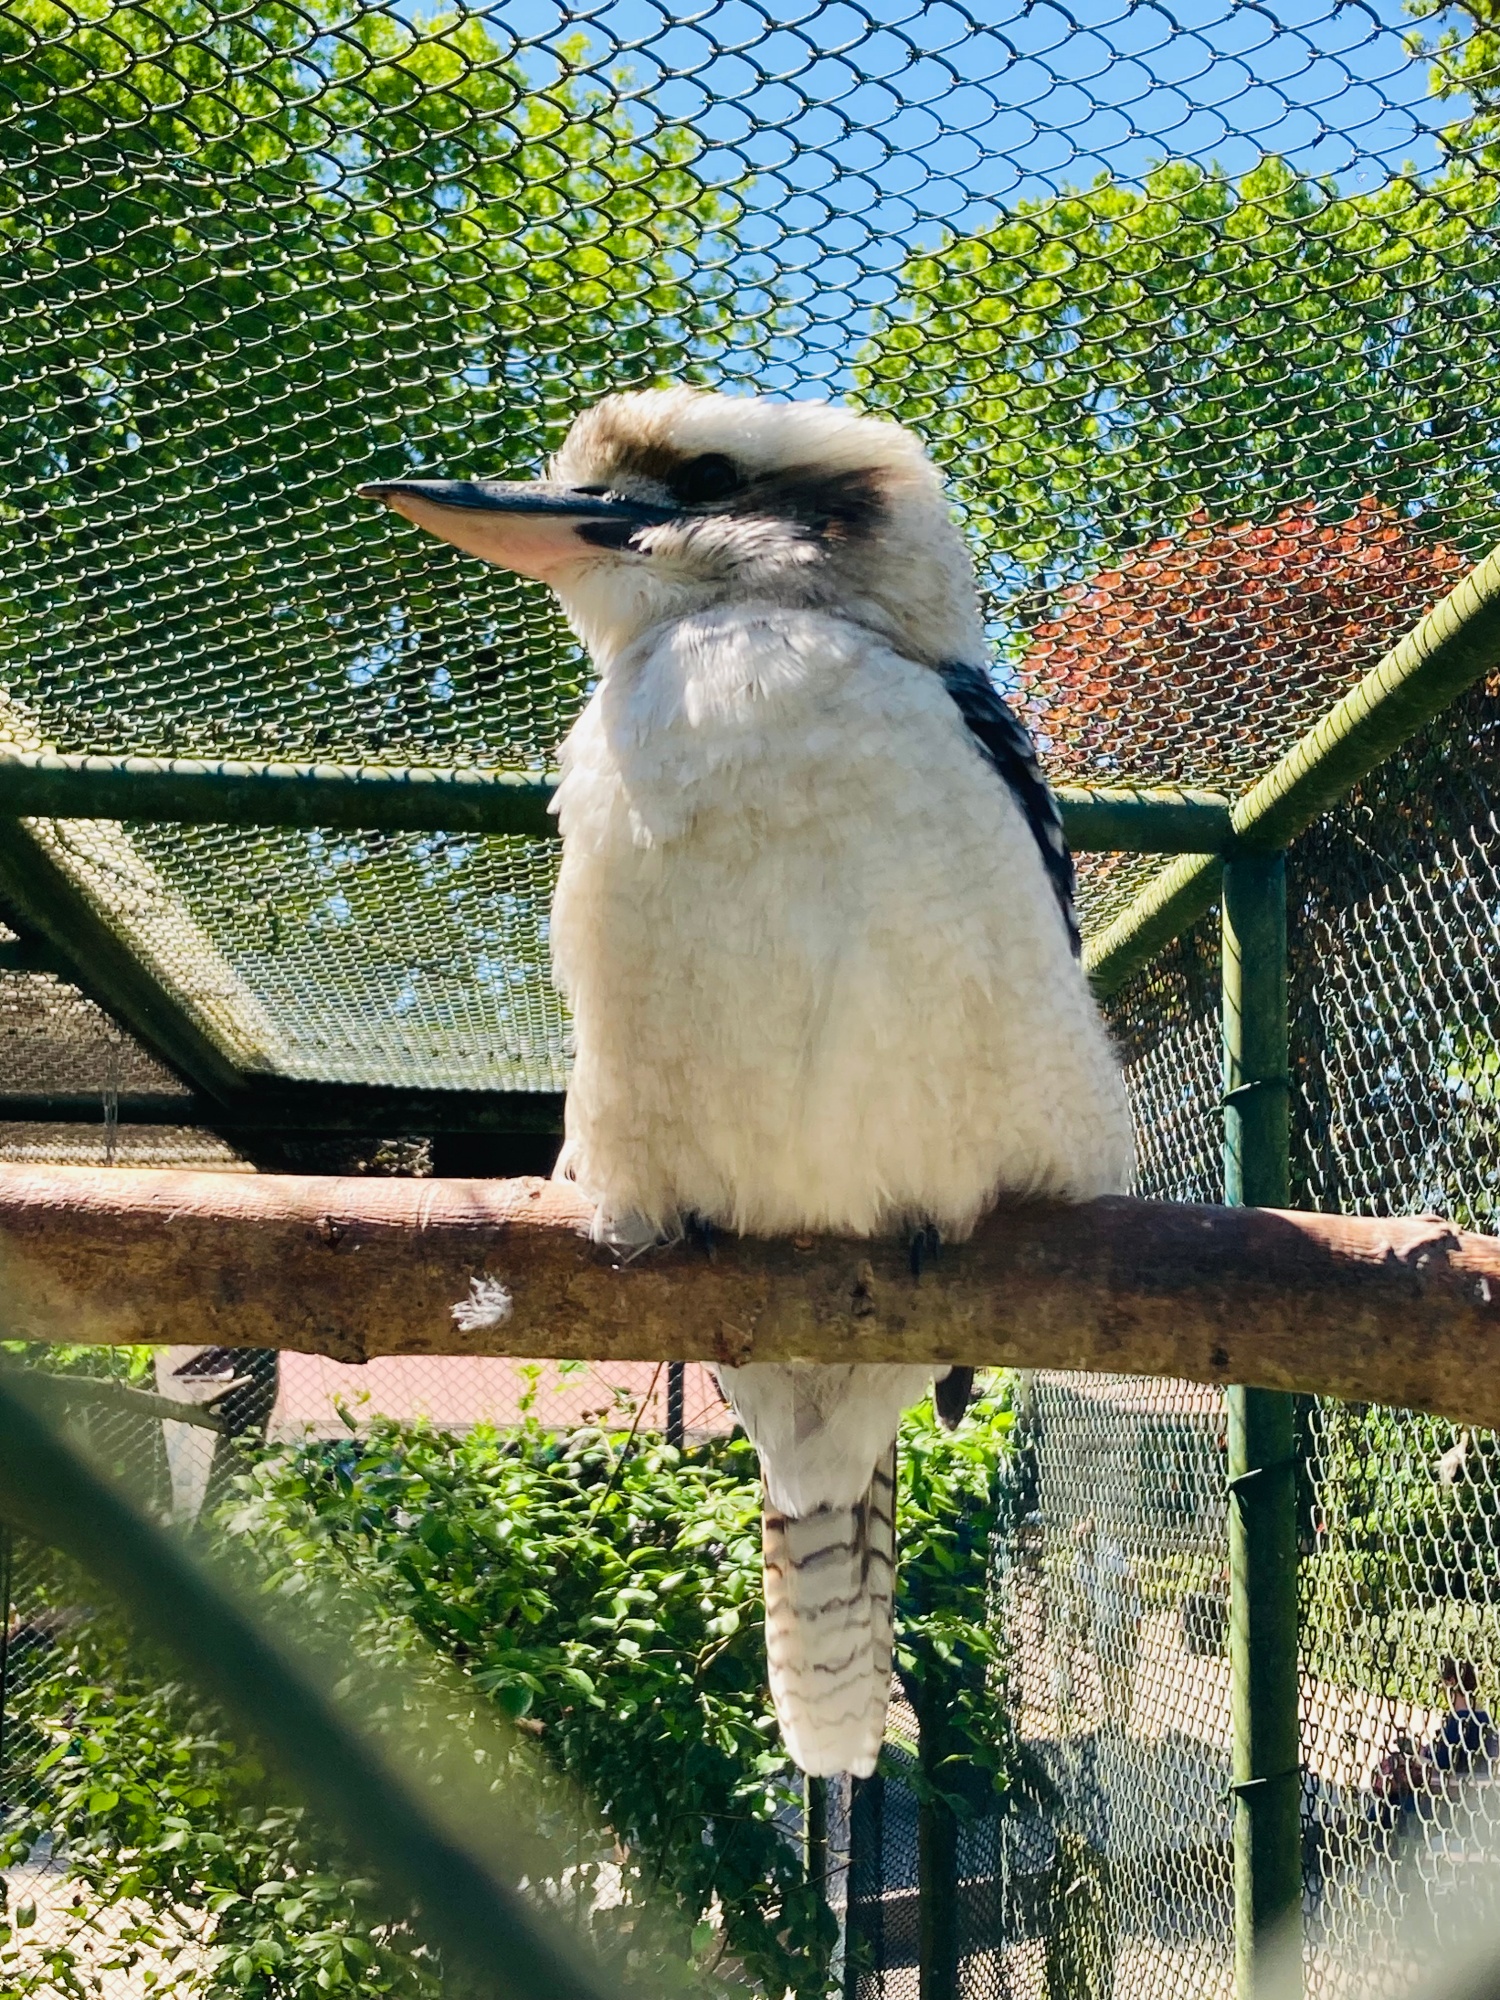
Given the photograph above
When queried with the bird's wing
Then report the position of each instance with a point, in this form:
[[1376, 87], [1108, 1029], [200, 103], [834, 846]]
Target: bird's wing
[[1004, 742]]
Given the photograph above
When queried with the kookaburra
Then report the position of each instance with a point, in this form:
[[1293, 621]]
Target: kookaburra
[[814, 920]]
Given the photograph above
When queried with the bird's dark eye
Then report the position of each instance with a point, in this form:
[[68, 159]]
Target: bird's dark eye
[[711, 477]]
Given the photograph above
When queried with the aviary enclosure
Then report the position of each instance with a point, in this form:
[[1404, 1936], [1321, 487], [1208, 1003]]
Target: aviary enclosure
[[1199, 308]]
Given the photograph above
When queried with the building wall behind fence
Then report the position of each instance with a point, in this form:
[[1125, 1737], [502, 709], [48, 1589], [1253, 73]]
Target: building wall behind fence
[[1111, 1593]]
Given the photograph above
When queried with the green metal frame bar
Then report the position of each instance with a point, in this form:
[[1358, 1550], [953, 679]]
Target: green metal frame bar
[[29, 955], [1122, 821], [64, 1392], [333, 1109], [51, 786], [47, 1491], [48, 904], [1262, 1447], [87, 1107], [1456, 643]]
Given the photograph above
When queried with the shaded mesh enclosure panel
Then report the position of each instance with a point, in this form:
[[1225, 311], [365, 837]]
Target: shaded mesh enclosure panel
[[1111, 1595]]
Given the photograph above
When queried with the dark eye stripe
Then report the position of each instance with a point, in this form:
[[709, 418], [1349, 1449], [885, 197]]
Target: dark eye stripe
[[713, 476]]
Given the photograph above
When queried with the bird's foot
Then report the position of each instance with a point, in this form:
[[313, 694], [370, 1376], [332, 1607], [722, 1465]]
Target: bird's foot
[[628, 1234], [631, 1235], [923, 1248]]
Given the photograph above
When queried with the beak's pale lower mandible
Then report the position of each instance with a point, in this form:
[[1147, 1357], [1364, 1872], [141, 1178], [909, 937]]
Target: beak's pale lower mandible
[[533, 526]]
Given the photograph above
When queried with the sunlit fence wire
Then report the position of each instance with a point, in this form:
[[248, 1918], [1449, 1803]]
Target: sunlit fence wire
[[1199, 307]]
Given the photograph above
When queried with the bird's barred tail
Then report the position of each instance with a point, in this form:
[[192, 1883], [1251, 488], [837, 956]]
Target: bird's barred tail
[[829, 1583]]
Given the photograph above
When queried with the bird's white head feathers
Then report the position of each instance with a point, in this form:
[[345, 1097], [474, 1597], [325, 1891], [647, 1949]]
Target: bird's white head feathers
[[664, 502]]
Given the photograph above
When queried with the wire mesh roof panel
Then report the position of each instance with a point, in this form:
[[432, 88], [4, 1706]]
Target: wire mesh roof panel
[[338, 956], [1196, 304], [53, 1040]]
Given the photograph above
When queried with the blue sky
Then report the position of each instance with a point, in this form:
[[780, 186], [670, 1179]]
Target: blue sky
[[871, 129]]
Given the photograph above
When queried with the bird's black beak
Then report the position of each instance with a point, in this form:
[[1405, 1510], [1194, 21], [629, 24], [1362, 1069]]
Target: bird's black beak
[[534, 526]]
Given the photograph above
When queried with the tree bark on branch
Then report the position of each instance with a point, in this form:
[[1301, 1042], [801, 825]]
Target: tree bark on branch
[[1404, 1312]]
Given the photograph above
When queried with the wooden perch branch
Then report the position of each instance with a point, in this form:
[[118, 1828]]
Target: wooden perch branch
[[1401, 1312]]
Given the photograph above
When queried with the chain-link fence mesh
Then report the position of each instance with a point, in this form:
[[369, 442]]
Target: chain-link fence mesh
[[1112, 1597], [1197, 306], [1395, 1010], [1115, 1608], [1114, 1592]]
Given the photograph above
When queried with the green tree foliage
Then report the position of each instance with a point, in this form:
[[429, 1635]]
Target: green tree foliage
[[1465, 65], [252, 256], [172, 1827], [1401, 1565], [1099, 367], [606, 1598], [955, 1495]]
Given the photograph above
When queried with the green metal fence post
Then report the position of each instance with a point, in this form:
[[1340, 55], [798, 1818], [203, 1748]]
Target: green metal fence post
[[1262, 1440], [937, 1856], [7, 1573]]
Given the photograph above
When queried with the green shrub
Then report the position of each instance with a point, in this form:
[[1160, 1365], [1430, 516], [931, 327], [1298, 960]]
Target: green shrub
[[605, 1597]]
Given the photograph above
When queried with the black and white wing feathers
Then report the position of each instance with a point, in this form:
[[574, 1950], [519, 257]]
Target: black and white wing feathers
[[1005, 742]]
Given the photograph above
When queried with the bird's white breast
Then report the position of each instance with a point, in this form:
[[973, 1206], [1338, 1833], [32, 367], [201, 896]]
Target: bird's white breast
[[817, 973]]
